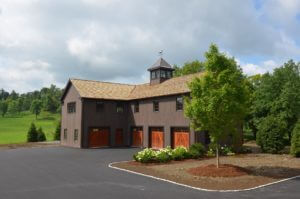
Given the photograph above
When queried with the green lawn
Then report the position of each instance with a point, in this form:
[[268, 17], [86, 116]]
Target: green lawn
[[14, 129]]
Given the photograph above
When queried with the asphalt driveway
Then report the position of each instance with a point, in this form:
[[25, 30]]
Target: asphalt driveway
[[58, 172]]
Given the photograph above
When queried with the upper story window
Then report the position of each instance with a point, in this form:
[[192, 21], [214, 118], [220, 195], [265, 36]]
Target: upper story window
[[155, 106], [179, 103], [65, 134], [120, 107], [71, 107], [99, 106], [136, 107], [75, 134]]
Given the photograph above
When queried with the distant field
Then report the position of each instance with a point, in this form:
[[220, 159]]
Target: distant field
[[14, 129]]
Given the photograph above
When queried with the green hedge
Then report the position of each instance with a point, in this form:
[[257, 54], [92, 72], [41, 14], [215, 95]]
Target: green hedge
[[270, 135], [295, 143]]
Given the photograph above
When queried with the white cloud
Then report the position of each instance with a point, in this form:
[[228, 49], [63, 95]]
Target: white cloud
[[26, 75], [261, 68], [114, 40]]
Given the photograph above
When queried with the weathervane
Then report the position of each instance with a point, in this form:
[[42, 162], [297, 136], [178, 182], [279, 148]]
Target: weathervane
[[160, 53]]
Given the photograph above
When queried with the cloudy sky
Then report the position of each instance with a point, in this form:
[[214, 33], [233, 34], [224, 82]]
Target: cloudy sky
[[45, 42]]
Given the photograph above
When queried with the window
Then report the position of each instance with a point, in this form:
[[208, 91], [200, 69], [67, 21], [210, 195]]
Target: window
[[120, 108], [157, 74], [155, 106], [153, 75], [99, 106], [169, 74], [71, 107], [75, 134], [163, 74], [65, 134], [179, 103], [136, 107]]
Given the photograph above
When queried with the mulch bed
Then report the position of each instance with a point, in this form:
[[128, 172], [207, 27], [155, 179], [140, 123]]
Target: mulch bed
[[236, 172], [224, 170]]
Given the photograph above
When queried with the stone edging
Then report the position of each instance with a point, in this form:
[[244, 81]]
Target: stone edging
[[197, 188]]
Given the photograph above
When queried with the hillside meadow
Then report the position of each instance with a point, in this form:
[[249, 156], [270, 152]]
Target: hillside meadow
[[13, 129]]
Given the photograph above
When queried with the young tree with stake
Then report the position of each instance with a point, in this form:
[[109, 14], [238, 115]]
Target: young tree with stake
[[218, 99]]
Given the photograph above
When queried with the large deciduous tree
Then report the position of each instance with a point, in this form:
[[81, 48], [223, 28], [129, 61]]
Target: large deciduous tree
[[12, 107], [189, 68], [3, 107], [218, 99], [278, 95], [36, 107]]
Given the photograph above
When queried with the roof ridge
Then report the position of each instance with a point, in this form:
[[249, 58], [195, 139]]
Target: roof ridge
[[102, 82], [134, 85]]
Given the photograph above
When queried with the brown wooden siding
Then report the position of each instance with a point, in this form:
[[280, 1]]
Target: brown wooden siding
[[167, 117], [71, 121], [107, 117]]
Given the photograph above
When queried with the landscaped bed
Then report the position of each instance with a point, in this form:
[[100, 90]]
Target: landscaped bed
[[248, 170]]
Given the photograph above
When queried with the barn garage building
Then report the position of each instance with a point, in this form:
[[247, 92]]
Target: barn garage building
[[103, 114]]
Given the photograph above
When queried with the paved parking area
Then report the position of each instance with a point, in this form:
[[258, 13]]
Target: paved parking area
[[58, 172]]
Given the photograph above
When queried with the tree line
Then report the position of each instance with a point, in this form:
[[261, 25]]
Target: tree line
[[266, 105], [47, 99]]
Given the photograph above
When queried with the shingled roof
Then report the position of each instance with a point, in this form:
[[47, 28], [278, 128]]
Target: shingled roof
[[160, 63], [116, 91]]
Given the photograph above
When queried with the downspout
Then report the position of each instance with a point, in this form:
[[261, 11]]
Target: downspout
[[82, 125]]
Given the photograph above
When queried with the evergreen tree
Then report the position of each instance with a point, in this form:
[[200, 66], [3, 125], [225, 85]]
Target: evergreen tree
[[32, 133], [41, 135], [57, 131]]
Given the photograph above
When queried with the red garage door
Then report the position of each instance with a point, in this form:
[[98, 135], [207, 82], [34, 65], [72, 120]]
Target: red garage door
[[180, 137], [99, 137], [137, 137], [119, 137], [156, 138]]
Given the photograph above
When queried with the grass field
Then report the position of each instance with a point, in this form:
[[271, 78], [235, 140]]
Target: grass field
[[14, 129]]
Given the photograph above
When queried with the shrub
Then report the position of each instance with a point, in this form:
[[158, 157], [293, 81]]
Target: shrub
[[41, 135], [196, 150], [270, 134], [226, 150], [57, 131], [32, 133], [211, 153], [179, 153], [145, 156], [164, 155], [295, 143]]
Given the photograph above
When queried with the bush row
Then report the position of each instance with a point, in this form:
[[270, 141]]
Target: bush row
[[167, 154]]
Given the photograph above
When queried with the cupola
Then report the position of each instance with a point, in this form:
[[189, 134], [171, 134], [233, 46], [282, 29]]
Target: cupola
[[160, 71]]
